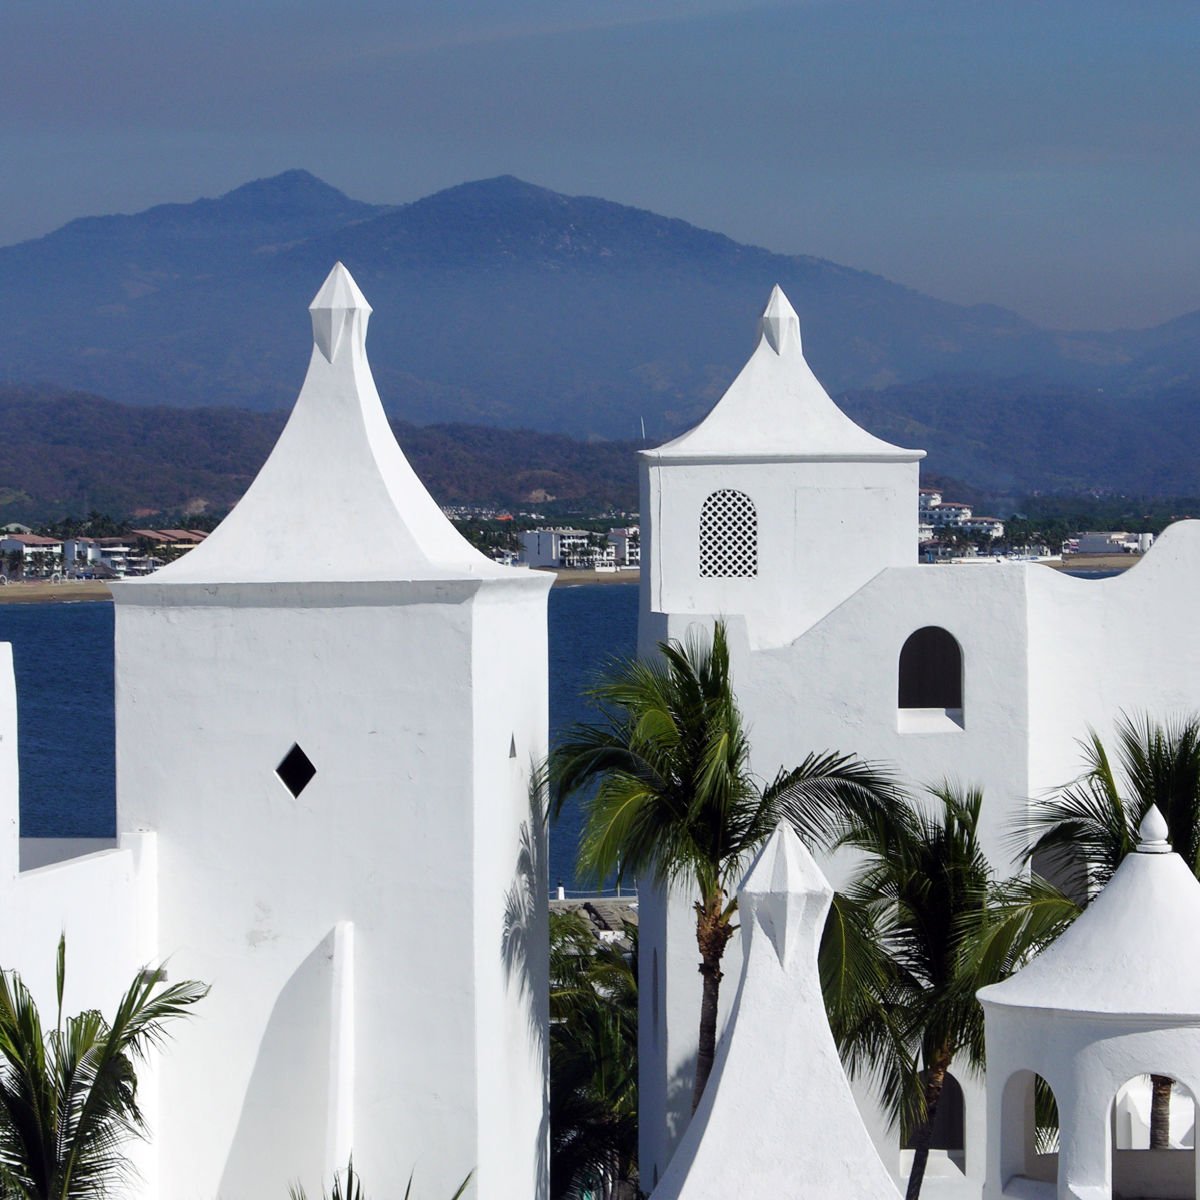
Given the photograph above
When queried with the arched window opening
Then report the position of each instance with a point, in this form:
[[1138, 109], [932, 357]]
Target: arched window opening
[[947, 1144], [1154, 1139], [728, 536], [1154, 1107], [1029, 1129], [930, 691]]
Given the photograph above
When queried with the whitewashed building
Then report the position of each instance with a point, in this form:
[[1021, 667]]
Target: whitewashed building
[[557, 547], [780, 514], [328, 715], [32, 554], [627, 545]]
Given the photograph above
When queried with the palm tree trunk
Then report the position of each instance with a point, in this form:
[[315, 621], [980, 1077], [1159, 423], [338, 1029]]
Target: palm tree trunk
[[1160, 1112], [934, 1080], [713, 932]]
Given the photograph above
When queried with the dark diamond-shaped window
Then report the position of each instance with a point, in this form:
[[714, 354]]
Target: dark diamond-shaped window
[[296, 771]]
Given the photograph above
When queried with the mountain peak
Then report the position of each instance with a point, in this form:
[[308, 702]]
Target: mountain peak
[[289, 189]]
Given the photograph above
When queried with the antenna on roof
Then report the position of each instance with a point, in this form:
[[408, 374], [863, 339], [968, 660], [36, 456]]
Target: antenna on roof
[[643, 421]]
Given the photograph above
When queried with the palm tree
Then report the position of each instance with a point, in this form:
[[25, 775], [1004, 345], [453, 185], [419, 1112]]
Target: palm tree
[[675, 799], [68, 1097], [351, 1189], [593, 1060], [896, 965], [1091, 824]]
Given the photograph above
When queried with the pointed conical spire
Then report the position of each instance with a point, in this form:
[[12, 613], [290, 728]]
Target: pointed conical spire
[[785, 893], [338, 308], [779, 324], [776, 409], [336, 501], [1152, 833]]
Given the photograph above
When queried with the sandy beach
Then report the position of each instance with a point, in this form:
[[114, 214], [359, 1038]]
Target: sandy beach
[[1097, 562], [41, 591], [568, 576]]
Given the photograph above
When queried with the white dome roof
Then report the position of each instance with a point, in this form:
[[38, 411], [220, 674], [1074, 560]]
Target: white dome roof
[[1130, 952], [777, 409]]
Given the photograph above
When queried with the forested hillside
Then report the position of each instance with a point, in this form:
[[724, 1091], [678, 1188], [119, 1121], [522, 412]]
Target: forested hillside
[[70, 453]]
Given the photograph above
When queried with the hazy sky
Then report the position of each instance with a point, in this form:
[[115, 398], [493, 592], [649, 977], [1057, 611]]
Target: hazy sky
[[1043, 155]]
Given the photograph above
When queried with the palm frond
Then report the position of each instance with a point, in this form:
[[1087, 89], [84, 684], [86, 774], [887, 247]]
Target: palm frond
[[68, 1099]]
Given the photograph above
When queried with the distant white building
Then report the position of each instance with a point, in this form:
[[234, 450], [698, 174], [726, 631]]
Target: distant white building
[[33, 555], [990, 527], [560, 547], [627, 545], [1111, 542]]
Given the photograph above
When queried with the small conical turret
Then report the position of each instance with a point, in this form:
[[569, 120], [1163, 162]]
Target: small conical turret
[[777, 409]]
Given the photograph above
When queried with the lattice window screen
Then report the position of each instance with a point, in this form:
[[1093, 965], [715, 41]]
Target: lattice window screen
[[728, 536]]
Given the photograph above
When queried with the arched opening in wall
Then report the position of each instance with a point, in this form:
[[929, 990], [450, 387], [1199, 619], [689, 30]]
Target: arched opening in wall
[[1066, 868], [728, 536], [1028, 1130], [1154, 1139], [930, 683], [947, 1140]]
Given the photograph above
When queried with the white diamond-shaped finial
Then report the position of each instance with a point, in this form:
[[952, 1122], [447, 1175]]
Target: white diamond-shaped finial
[[1152, 833], [339, 307], [786, 894], [779, 323]]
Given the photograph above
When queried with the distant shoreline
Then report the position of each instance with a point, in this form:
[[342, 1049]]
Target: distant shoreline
[[573, 575], [1096, 562], [75, 591]]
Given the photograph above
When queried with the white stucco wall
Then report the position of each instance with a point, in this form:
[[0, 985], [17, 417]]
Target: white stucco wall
[[823, 530], [10, 802]]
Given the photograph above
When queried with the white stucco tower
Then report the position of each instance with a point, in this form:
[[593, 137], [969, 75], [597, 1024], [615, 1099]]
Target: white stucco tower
[[328, 714], [770, 512]]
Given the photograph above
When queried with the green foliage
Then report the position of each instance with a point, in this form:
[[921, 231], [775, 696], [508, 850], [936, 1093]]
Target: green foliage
[[349, 1187], [593, 1059], [1094, 821], [891, 961], [68, 1096], [674, 796], [920, 927], [674, 799], [71, 452]]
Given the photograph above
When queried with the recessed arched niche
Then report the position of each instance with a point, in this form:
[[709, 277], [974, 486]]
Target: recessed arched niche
[[1029, 1133], [947, 1141], [1154, 1139], [930, 682]]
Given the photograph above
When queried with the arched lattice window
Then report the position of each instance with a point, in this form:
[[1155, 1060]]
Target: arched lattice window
[[728, 536]]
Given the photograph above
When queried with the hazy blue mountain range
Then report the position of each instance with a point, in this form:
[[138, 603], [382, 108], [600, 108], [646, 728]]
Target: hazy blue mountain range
[[496, 302], [500, 303]]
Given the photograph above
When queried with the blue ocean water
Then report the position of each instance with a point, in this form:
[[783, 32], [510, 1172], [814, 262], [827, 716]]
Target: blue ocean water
[[63, 656]]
